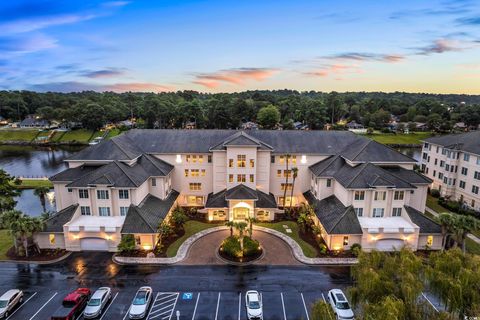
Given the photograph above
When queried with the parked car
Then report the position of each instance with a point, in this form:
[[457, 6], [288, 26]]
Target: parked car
[[141, 303], [340, 305], [253, 303], [8, 301], [97, 302], [72, 305], [95, 141]]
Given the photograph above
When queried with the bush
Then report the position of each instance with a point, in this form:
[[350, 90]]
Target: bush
[[356, 248], [435, 193], [250, 247], [231, 247], [127, 244], [322, 310], [323, 248]]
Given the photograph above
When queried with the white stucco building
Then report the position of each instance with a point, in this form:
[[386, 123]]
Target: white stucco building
[[362, 191]]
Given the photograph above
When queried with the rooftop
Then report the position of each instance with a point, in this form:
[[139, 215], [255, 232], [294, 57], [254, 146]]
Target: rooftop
[[468, 142]]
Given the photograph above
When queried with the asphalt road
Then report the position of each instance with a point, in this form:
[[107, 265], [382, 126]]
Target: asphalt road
[[198, 292]]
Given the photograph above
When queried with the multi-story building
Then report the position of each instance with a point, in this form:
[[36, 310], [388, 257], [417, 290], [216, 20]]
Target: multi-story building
[[362, 191], [453, 164]]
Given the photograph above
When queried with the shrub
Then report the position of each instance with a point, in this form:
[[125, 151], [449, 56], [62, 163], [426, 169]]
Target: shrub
[[323, 248], [178, 217], [435, 193], [231, 247], [127, 244], [356, 248], [250, 247]]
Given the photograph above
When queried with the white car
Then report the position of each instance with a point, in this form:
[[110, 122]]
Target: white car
[[97, 302], [253, 303], [340, 305], [140, 304], [8, 301]]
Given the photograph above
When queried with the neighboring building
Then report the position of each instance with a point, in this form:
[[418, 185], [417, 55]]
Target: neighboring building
[[33, 122], [363, 192], [355, 127], [300, 125], [249, 125], [453, 163], [3, 121]]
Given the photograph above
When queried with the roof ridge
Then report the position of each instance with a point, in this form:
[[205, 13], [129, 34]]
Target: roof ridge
[[149, 158], [124, 172], [364, 165], [61, 211], [392, 174], [363, 148], [332, 159], [139, 213], [341, 216], [120, 147]]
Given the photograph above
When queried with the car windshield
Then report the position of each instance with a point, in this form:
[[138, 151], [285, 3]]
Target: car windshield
[[254, 305], [3, 303], [140, 298], [94, 302], [343, 305]]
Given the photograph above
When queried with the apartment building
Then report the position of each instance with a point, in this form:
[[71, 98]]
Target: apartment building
[[362, 191], [453, 164]]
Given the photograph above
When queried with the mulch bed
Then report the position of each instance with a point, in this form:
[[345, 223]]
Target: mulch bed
[[163, 254], [243, 260], [311, 239], [44, 255]]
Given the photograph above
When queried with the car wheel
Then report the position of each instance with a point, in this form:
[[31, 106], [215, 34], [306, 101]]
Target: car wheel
[[6, 315], [21, 299]]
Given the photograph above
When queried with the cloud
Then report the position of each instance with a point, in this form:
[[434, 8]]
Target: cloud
[[335, 69], [116, 3], [440, 46], [137, 87], [472, 21], [37, 23], [74, 86], [233, 76], [361, 56], [26, 43], [106, 73]]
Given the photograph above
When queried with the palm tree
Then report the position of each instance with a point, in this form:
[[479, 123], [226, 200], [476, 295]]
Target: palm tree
[[294, 177], [463, 226], [21, 227], [241, 226], [446, 220], [231, 225], [41, 192], [287, 157], [251, 221]]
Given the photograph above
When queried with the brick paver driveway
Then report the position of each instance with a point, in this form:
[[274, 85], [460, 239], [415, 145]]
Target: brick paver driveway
[[203, 251]]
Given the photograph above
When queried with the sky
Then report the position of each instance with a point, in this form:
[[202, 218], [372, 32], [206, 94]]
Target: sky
[[229, 46]]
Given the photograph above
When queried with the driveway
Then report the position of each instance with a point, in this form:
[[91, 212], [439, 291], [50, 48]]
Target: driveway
[[203, 251]]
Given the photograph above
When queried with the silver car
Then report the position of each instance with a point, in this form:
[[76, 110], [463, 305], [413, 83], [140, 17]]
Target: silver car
[[253, 303], [97, 303], [8, 301], [340, 305], [140, 304]]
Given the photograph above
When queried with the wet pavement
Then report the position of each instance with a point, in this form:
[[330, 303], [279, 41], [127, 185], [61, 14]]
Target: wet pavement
[[198, 292]]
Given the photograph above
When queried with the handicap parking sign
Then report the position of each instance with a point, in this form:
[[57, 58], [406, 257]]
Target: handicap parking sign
[[187, 296]]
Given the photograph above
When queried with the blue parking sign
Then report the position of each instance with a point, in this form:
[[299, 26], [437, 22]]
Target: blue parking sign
[[187, 296]]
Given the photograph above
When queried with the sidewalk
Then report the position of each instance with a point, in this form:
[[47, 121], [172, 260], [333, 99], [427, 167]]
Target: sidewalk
[[470, 236]]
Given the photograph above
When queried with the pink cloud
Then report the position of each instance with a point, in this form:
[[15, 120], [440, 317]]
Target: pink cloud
[[441, 46], [335, 69], [137, 87], [233, 76]]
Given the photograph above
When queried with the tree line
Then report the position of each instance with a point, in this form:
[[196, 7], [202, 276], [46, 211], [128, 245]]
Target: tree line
[[230, 110]]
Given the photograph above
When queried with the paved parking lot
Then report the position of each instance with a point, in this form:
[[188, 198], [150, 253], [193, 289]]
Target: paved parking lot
[[191, 305]]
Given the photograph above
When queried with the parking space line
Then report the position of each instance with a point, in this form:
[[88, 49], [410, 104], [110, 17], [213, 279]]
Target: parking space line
[[41, 308], [239, 304], [283, 306], [323, 297], [305, 306], [196, 304], [23, 303], [218, 305], [163, 305], [111, 302], [126, 314], [153, 304]]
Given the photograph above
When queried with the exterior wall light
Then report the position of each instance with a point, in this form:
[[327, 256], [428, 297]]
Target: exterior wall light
[[178, 159], [303, 159]]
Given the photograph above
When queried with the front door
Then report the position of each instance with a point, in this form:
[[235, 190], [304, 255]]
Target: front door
[[240, 213]]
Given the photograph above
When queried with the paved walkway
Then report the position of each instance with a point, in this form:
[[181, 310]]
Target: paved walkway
[[435, 213]]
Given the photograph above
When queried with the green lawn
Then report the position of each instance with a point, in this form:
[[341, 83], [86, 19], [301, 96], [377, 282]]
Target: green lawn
[[5, 243], [18, 134], [472, 246], [112, 133], [32, 184], [191, 227], [399, 138], [80, 135], [307, 249], [432, 203]]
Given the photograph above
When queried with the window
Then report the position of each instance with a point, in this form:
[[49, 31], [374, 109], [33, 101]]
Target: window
[[434, 173], [291, 159], [85, 211], [473, 203], [440, 175], [123, 211], [230, 163], [279, 173], [209, 158], [475, 189], [272, 159], [83, 193], [241, 178], [398, 195], [200, 159], [252, 163], [104, 211], [345, 240], [437, 149], [429, 241], [186, 172], [462, 184], [424, 155], [442, 163], [359, 195], [478, 160], [359, 212], [195, 200], [380, 195], [288, 186], [230, 178], [51, 238], [195, 186], [287, 173], [445, 180], [396, 212], [154, 182], [123, 194], [203, 172], [436, 161], [464, 171], [447, 167], [195, 172], [476, 175], [329, 183], [70, 190], [102, 194], [252, 178], [466, 157], [378, 212], [241, 161]]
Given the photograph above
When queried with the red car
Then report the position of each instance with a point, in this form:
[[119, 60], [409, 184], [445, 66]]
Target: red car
[[72, 305]]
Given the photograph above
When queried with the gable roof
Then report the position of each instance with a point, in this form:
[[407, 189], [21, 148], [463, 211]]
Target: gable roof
[[56, 221], [367, 150], [241, 138], [241, 192], [109, 150], [334, 216], [425, 224], [220, 199], [147, 216], [469, 141]]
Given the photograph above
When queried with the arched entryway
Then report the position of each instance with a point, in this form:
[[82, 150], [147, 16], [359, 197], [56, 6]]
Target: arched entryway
[[241, 213]]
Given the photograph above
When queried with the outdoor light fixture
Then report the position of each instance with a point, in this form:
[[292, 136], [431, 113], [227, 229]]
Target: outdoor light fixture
[[178, 159], [303, 159]]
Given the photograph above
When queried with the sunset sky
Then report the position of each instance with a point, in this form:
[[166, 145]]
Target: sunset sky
[[226, 46]]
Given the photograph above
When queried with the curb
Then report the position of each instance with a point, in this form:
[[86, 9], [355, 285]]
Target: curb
[[238, 264], [65, 256]]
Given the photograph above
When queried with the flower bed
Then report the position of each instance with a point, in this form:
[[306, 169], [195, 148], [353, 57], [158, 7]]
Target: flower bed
[[230, 249], [43, 255]]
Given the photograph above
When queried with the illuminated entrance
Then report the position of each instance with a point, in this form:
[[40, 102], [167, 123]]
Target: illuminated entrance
[[240, 213]]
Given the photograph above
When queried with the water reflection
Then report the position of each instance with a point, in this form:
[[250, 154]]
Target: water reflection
[[414, 153], [30, 204]]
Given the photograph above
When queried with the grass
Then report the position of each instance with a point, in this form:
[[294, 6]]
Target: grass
[[399, 138], [5, 243], [112, 133], [191, 227], [34, 183], [18, 135], [472, 246], [432, 203], [307, 249], [80, 135]]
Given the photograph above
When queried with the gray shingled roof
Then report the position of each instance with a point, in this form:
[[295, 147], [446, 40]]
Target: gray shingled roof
[[411, 176], [56, 221], [262, 199], [108, 150], [241, 192], [366, 150], [362, 176], [240, 138], [426, 225], [146, 217], [72, 174], [334, 216], [469, 142]]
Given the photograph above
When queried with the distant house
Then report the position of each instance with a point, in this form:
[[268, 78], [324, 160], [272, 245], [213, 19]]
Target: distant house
[[190, 125], [3, 121], [420, 126], [460, 126], [300, 126], [249, 125], [355, 127], [125, 123], [34, 122]]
